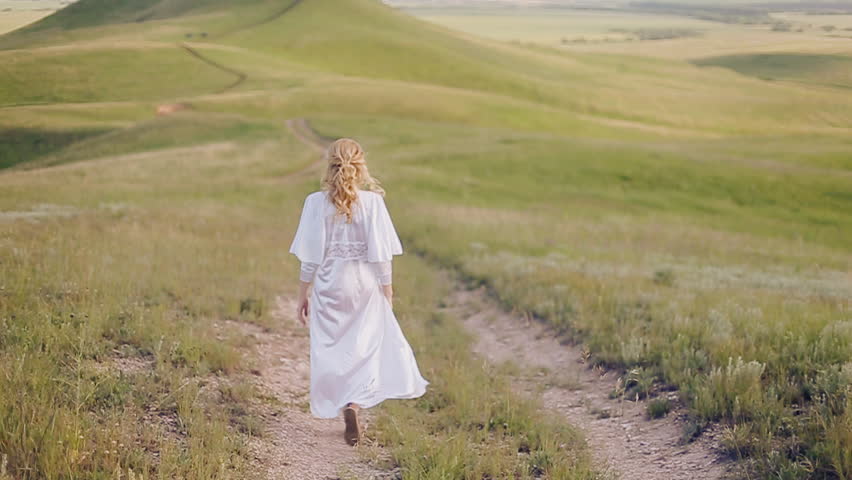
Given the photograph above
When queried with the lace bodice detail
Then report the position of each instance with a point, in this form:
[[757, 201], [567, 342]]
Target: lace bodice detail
[[347, 250], [323, 237]]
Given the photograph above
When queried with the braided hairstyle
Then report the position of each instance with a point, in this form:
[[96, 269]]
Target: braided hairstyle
[[346, 173]]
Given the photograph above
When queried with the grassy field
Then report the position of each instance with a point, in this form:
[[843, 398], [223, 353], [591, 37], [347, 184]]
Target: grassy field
[[841, 23], [10, 20], [470, 424], [749, 325], [18, 13], [117, 288], [632, 32], [559, 27], [689, 222], [822, 70]]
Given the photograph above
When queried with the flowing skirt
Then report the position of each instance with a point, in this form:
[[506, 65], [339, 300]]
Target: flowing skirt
[[358, 351]]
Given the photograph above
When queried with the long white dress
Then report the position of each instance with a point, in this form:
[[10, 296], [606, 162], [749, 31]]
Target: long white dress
[[358, 351]]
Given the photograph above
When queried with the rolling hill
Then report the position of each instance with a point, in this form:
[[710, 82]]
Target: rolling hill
[[689, 223], [94, 13], [380, 43]]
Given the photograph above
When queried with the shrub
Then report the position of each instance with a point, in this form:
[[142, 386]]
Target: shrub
[[664, 277], [738, 440], [659, 408], [734, 391]]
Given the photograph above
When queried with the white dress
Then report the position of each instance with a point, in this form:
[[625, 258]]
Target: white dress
[[358, 352]]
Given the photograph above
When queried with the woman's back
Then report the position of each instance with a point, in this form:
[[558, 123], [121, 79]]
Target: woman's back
[[346, 241], [369, 235]]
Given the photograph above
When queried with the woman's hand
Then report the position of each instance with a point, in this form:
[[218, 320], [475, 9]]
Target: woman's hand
[[303, 305], [302, 311], [388, 291]]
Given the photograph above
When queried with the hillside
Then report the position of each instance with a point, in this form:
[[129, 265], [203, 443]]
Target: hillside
[[94, 13], [379, 43], [686, 223]]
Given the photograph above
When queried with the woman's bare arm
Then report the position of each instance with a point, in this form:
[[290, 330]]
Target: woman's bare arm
[[306, 277], [388, 291], [385, 273]]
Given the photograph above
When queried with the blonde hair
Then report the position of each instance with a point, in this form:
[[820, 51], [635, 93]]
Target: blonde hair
[[346, 173]]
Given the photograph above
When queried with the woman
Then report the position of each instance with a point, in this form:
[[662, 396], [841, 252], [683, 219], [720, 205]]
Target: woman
[[346, 242]]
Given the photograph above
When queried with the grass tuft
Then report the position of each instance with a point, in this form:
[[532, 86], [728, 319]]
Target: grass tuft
[[658, 408]]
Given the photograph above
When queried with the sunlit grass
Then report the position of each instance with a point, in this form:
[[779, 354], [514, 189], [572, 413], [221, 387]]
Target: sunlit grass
[[114, 314], [470, 424], [688, 222], [118, 294], [32, 78], [704, 293]]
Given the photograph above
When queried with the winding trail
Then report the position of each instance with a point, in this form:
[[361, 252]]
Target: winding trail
[[302, 130], [241, 76], [622, 440], [304, 133], [295, 445]]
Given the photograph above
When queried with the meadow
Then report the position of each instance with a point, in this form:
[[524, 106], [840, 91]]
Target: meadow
[[16, 13], [557, 27], [645, 33], [121, 304], [686, 222]]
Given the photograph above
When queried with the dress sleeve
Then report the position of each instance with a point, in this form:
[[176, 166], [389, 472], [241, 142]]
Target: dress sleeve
[[309, 243], [384, 270], [307, 272], [382, 240]]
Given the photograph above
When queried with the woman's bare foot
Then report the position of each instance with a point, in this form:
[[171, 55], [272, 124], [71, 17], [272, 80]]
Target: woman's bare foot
[[352, 434]]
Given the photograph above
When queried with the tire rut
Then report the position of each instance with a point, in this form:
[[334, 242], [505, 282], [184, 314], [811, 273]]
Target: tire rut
[[295, 445], [623, 441]]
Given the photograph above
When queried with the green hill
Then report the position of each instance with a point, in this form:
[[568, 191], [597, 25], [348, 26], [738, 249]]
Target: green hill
[[674, 217], [377, 42], [93, 13], [373, 41]]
